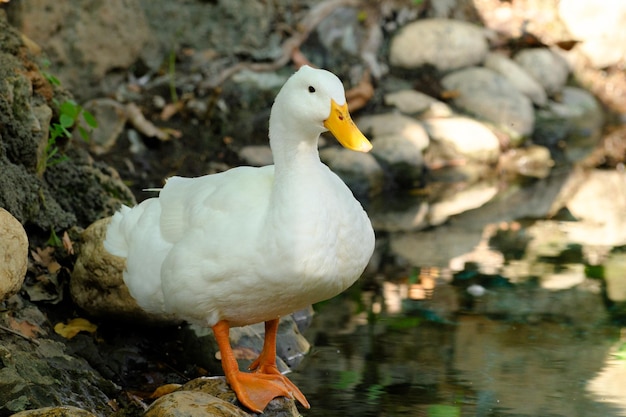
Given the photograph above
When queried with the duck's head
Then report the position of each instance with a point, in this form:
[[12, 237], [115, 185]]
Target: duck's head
[[313, 101]]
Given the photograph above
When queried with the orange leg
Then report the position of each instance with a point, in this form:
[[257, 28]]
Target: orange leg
[[266, 362], [254, 390]]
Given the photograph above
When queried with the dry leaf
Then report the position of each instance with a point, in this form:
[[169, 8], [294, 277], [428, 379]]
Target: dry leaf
[[359, 95], [24, 327], [67, 243], [171, 109], [164, 390], [73, 327], [43, 256]]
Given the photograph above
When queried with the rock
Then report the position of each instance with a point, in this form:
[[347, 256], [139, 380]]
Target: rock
[[257, 155], [390, 215], [97, 285], [600, 27], [45, 374], [359, 171], [576, 120], [469, 138], [545, 66], [524, 83], [111, 116], [402, 156], [488, 95], [85, 43], [60, 411], [13, 255], [445, 44], [207, 397], [391, 124], [410, 101]]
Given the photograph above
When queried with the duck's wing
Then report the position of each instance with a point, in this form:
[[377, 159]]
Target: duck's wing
[[192, 203]]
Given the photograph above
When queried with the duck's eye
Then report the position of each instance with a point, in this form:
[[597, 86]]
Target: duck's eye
[[311, 89]]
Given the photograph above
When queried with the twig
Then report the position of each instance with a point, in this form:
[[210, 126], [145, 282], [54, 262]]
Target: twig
[[16, 333], [313, 18]]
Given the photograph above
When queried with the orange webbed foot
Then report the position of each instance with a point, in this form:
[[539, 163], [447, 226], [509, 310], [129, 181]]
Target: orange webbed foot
[[256, 390]]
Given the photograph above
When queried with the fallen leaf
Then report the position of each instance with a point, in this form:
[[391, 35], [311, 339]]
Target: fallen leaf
[[43, 256], [359, 95], [24, 327], [67, 243], [171, 109], [164, 390], [73, 327]]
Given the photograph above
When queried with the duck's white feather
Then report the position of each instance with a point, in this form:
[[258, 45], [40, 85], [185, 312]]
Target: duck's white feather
[[249, 244]]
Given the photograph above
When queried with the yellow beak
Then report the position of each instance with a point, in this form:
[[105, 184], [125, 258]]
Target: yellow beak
[[343, 128]]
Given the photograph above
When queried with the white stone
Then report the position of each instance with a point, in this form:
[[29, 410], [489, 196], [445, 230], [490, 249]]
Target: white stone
[[546, 67], [485, 93], [358, 170], [445, 44], [394, 123], [524, 83], [469, 138], [13, 254], [600, 26], [461, 201], [410, 101]]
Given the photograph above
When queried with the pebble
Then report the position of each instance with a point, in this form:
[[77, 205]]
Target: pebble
[[410, 101], [443, 43], [13, 253], [469, 138], [600, 26], [358, 170], [520, 79], [488, 95], [545, 66]]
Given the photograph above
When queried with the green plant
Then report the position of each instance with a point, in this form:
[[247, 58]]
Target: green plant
[[70, 114]]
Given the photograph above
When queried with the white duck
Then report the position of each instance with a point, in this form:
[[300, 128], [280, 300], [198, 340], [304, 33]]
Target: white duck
[[254, 244]]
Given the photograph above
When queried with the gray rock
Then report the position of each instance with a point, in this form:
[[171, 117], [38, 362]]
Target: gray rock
[[469, 138], [445, 44], [532, 161], [257, 155], [394, 123], [576, 121], [517, 76], [410, 101], [546, 67], [358, 170], [488, 95], [55, 411], [14, 253], [461, 201], [600, 27]]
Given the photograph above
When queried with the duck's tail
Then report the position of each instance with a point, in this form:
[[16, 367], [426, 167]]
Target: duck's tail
[[116, 242]]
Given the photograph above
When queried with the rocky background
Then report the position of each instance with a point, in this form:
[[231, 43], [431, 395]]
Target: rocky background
[[465, 102]]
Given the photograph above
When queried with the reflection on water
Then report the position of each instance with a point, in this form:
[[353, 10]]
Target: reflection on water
[[475, 361], [524, 324]]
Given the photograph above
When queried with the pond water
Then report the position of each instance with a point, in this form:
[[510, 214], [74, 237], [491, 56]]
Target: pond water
[[523, 325]]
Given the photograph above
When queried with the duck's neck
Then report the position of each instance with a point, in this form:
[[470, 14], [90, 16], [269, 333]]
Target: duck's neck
[[293, 150]]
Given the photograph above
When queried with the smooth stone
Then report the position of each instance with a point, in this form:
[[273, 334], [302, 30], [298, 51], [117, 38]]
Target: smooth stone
[[360, 171], [600, 27], [13, 254], [533, 161], [486, 94], [513, 72], [410, 101], [469, 138], [576, 120], [393, 123], [446, 44], [546, 67]]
